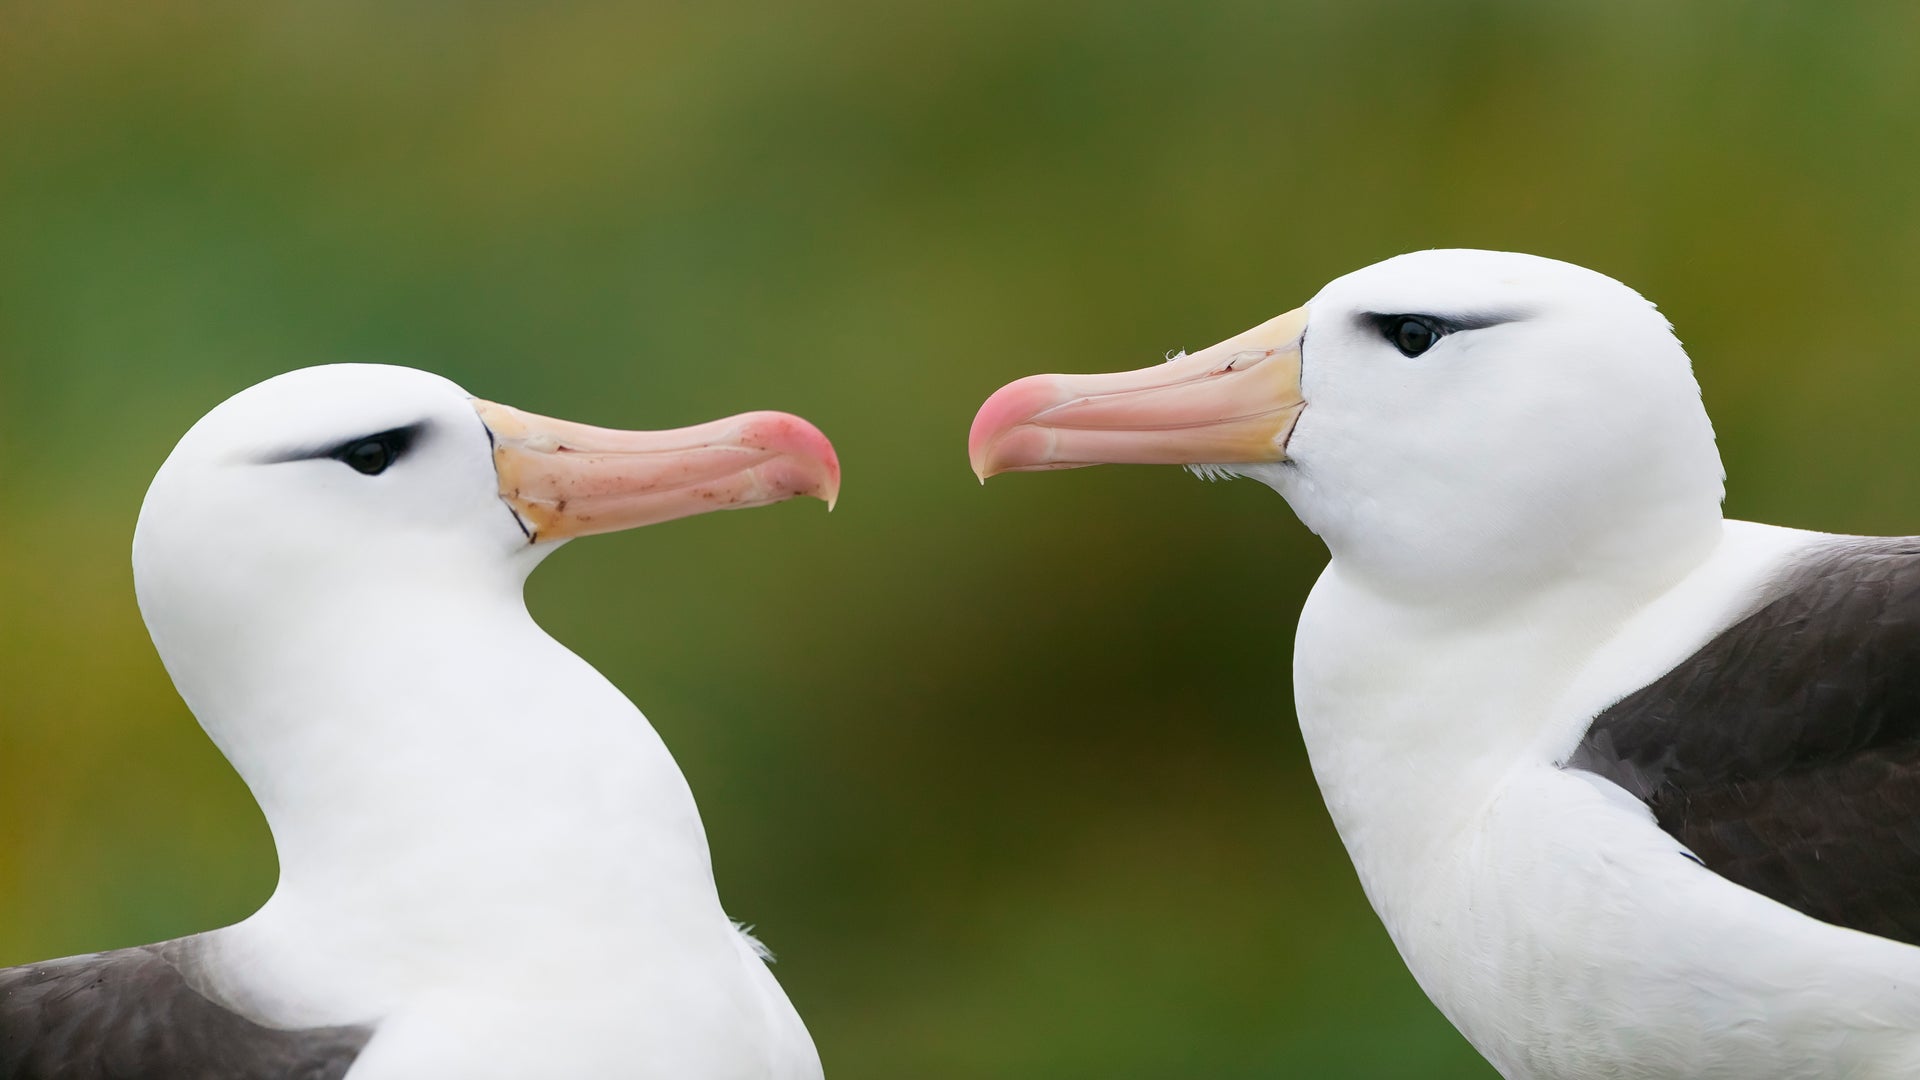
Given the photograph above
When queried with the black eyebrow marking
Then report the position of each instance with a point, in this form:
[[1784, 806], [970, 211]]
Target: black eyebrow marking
[[1448, 324], [399, 440]]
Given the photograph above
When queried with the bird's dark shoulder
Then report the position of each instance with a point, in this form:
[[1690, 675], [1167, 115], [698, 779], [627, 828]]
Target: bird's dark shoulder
[[1785, 752], [133, 1014]]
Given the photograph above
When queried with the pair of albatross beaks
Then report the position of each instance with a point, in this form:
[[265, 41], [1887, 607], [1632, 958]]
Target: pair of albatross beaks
[[1233, 403]]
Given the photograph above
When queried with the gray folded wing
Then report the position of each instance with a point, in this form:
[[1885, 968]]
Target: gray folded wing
[[132, 1014], [1785, 753]]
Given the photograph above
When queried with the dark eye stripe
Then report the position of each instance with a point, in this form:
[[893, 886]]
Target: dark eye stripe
[[1413, 333], [1443, 324], [368, 454]]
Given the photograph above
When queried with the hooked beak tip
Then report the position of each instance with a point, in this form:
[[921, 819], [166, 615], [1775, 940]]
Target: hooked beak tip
[[1007, 409], [977, 461]]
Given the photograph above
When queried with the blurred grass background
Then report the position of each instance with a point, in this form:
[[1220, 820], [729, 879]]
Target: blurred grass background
[[1007, 777]]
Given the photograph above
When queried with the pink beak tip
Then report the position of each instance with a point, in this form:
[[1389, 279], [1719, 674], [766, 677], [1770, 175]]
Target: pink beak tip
[[1007, 408], [795, 437]]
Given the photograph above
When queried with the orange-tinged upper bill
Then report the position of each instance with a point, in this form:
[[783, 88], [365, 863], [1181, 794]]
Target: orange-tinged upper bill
[[1233, 403], [564, 479]]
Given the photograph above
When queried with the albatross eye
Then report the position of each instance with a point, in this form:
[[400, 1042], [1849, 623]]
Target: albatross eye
[[372, 455], [1411, 334], [369, 456]]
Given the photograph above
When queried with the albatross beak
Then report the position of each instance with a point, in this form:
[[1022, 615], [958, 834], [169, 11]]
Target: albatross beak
[[1231, 404], [564, 479]]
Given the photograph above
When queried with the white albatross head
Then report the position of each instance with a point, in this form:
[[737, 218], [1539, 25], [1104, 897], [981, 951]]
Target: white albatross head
[[366, 479], [1449, 422]]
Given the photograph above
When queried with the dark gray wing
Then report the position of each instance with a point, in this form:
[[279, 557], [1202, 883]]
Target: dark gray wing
[[1785, 753], [132, 1014]]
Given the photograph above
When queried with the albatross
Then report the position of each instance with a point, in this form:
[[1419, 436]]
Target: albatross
[[490, 866], [1634, 789]]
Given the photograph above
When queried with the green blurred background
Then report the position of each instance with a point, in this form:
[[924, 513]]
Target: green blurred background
[[1008, 777]]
